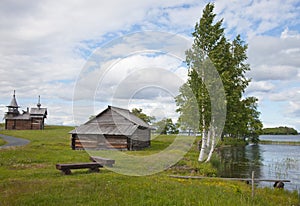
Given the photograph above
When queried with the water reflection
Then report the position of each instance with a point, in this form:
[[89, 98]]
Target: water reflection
[[267, 161], [282, 162], [240, 161]]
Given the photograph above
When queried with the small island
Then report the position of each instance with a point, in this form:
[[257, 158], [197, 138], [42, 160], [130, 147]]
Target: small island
[[279, 131]]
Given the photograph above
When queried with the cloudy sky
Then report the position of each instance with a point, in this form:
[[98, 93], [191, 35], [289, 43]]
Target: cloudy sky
[[49, 48]]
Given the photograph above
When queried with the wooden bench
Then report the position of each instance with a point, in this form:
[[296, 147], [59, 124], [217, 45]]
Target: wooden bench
[[66, 168], [102, 161]]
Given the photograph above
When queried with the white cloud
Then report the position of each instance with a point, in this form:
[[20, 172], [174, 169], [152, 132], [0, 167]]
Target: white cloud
[[294, 108], [275, 63], [44, 45], [142, 78], [260, 86], [274, 72], [288, 100], [288, 94], [274, 51], [286, 34], [162, 107], [256, 17]]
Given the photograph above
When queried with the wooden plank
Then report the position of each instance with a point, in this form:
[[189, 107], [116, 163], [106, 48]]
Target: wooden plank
[[232, 179], [118, 145], [78, 165], [88, 145], [112, 146], [85, 141], [115, 140], [85, 146], [271, 180], [66, 168], [102, 161], [252, 184]]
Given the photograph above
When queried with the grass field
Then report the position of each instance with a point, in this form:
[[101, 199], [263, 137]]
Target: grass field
[[2, 142], [28, 177]]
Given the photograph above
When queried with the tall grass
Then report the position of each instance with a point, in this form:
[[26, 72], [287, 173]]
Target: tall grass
[[28, 177]]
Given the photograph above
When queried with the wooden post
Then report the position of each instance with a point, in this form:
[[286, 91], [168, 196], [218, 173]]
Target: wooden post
[[252, 182]]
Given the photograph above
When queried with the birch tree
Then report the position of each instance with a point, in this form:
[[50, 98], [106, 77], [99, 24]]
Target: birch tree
[[207, 35], [211, 51]]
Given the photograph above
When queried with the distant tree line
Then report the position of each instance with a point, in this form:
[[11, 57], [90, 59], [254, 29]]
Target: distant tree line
[[164, 126], [280, 131]]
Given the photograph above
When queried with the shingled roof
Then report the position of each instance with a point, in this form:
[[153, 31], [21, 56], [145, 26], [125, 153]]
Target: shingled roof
[[38, 111], [34, 112], [13, 102], [112, 121]]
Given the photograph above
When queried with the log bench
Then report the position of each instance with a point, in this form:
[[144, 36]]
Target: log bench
[[66, 168], [102, 161]]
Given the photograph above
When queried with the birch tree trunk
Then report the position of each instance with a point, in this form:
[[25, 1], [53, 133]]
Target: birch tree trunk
[[203, 146], [208, 138], [204, 139], [213, 144]]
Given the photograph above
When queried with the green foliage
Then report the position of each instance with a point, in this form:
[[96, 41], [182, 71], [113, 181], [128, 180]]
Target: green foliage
[[232, 142], [229, 59], [188, 109], [28, 177], [253, 126], [139, 113], [280, 131], [166, 126]]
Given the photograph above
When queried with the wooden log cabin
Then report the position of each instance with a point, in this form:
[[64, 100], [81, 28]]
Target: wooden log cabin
[[114, 128], [33, 119]]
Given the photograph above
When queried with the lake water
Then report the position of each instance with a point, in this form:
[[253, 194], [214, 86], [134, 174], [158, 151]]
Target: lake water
[[282, 138], [268, 162]]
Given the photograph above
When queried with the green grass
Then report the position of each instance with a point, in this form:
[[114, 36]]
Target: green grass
[[28, 177], [2, 142], [228, 141]]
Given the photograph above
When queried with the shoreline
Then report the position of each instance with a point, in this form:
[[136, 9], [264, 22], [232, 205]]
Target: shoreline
[[279, 142]]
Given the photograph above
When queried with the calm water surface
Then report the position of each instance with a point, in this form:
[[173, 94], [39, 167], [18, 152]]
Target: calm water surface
[[282, 138], [268, 162]]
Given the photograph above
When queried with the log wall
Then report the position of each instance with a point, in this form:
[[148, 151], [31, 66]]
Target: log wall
[[140, 139], [24, 124], [13, 124], [99, 142]]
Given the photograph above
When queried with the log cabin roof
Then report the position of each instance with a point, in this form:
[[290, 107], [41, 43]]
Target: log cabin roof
[[105, 129], [13, 102], [38, 111], [112, 121], [130, 116], [25, 116], [34, 112]]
